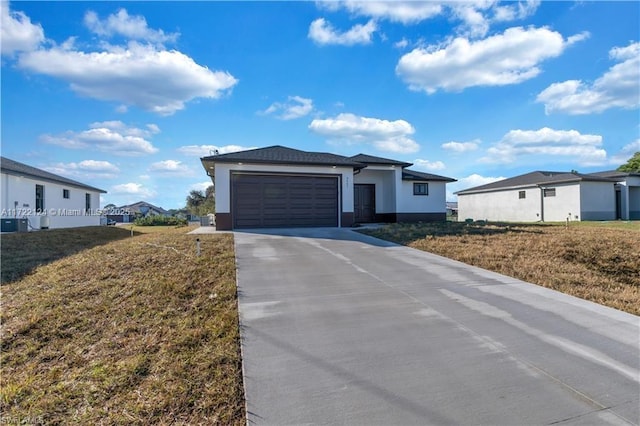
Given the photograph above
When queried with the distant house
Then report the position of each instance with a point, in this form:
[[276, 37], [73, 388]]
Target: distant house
[[36, 199], [552, 197], [284, 187], [452, 208], [129, 212]]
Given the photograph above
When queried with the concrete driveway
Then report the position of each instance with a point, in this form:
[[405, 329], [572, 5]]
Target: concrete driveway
[[341, 328]]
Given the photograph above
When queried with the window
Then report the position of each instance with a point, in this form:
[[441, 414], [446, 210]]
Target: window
[[65, 193], [420, 189], [522, 194], [87, 202], [549, 192], [39, 198]]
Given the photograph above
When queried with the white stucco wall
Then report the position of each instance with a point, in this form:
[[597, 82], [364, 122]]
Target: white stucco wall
[[566, 203], [384, 179], [223, 171], [505, 206], [435, 202], [597, 201], [60, 212]]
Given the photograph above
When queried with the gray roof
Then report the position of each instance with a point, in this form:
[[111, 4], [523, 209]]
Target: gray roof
[[19, 169], [413, 175], [614, 174], [535, 179], [370, 159], [282, 155], [135, 207]]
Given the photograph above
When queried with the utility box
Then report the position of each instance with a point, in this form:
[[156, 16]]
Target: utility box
[[205, 221], [23, 225], [44, 222], [15, 225]]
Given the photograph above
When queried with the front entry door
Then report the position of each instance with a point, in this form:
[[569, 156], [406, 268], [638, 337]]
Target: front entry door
[[364, 203]]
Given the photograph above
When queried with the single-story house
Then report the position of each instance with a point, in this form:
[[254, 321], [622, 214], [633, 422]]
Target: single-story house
[[36, 199], [284, 187], [130, 212], [551, 197], [452, 208]]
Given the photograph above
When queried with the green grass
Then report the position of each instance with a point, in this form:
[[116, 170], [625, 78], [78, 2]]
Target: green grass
[[593, 260], [120, 330]]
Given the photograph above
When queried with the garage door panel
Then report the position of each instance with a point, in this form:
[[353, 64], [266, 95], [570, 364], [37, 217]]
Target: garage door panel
[[284, 201]]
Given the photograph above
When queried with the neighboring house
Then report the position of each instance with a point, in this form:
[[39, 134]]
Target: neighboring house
[[284, 187], [452, 208], [128, 213], [541, 196], [44, 199], [627, 193]]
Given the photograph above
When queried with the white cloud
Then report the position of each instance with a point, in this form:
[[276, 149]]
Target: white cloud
[[207, 150], [90, 169], [159, 81], [108, 136], [475, 16], [384, 135], [428, 165], [401, 44], [131, 27], [323, 33], [552, 144], [294, 107], [503, 59], [171, 167], [619, 87], [470, 181], [200, 186], [17, 32], [625, 153], [461, 146], [132, 189], [406, 12]]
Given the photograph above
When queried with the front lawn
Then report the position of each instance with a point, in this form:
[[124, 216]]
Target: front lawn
[[114, 329], [589, 260]]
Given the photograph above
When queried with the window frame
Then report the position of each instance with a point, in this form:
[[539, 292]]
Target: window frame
[[39, 198], [87, 202], [66, 194], [522, 195], [418, 185], [548, 192]]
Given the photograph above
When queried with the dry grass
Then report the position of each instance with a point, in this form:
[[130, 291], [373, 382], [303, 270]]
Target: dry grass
[[595, 262], [124, 330]]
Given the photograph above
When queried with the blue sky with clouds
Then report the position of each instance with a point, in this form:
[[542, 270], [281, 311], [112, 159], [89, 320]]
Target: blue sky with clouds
[[128, 96]]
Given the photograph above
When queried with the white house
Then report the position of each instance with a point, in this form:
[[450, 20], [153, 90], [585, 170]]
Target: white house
[[284, 187], [545, 196], [44, 200]]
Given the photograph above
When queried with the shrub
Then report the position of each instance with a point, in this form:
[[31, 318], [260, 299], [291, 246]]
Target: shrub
[[160, 221]]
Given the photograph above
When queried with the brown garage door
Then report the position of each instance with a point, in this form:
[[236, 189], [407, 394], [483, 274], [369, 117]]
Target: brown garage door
[[278, 201]]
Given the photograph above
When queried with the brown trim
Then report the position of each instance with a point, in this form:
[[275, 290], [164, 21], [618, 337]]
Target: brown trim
[[223, 221], [346, 219], [421, 217]]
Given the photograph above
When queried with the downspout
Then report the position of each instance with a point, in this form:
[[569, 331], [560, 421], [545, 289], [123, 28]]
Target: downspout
[[541, 203]]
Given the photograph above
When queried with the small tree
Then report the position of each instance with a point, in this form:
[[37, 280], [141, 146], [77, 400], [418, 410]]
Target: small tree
[[633, 165], [201, 203]]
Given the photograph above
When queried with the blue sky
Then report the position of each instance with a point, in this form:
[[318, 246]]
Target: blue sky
[[127, 96]]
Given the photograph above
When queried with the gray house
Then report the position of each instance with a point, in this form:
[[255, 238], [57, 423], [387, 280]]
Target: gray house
[[285, 187]]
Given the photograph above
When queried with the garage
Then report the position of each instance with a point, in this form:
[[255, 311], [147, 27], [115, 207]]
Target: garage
[[280, 200]]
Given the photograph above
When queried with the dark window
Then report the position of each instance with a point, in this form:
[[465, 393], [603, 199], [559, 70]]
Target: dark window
[[87, 202], [420, 189], [522, 194], [549, 192], [39, 198], [65, 193]]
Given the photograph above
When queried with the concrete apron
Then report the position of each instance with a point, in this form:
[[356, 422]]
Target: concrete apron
[[341, 328]]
